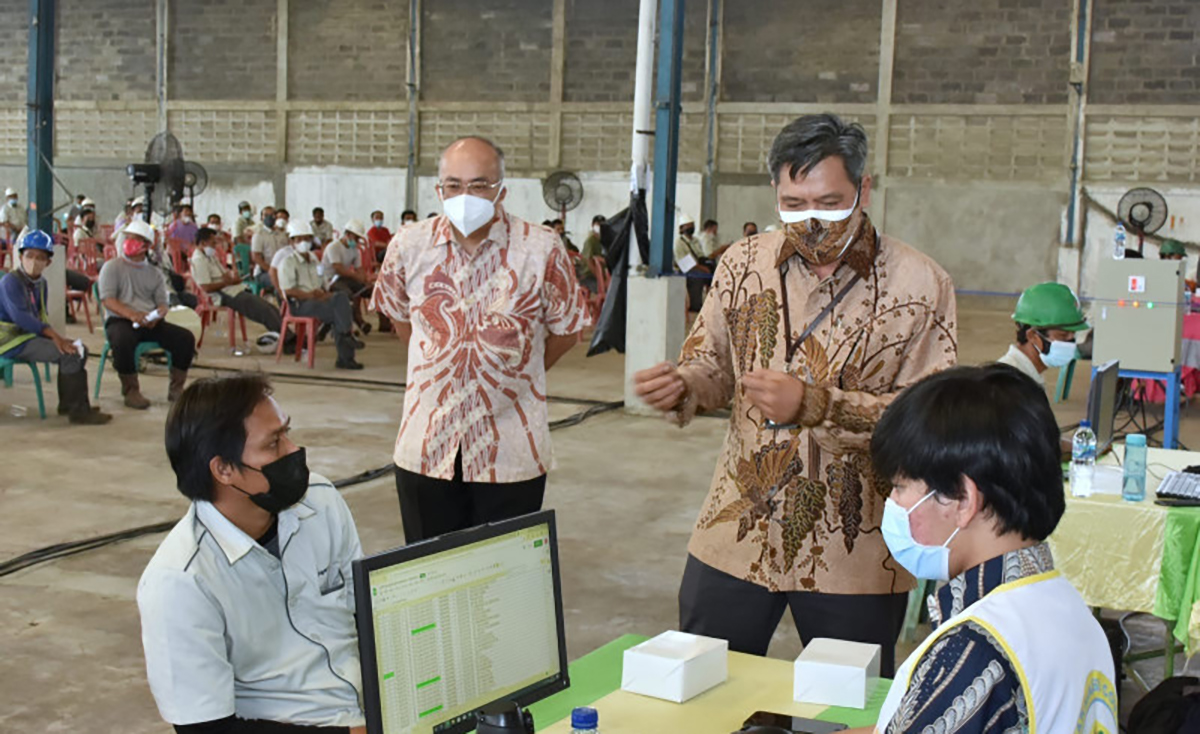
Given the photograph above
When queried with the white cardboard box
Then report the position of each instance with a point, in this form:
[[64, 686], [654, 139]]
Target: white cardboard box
[[675, 666], [836, 673]]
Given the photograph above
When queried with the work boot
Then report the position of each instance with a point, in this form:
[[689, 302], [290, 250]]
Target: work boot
[[73, 400], [132, 391], [178, 378]]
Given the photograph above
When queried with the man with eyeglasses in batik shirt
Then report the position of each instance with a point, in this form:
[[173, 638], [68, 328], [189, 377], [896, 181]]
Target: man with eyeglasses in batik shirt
[[486, 303]]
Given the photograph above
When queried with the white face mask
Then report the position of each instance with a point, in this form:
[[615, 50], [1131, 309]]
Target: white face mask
[[377, 222], [468, 213], [281, 224], [596, 228], [210, 251], [825, 215], [303, 247]]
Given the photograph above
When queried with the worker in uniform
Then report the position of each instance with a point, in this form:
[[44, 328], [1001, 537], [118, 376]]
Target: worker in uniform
[[1047, 317], [26, 335]]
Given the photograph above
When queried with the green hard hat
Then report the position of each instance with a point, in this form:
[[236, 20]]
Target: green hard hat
[[1050, 306], [1171, 247]]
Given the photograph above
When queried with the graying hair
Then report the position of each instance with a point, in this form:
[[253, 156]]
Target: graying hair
[[480, 138], [808, 140]]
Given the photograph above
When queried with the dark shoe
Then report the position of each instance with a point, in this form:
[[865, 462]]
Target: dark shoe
[[71, 318], [323, 332], [357, 343], [348, 364], [366, 328], [178, 380], [133, 393], [90, 417], [289, 347]]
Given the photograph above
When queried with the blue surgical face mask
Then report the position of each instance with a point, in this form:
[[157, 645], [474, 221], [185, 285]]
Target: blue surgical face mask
[[1059, 354], [931, 562]]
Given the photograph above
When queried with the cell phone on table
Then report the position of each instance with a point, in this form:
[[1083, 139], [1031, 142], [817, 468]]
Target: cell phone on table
[[795, 724]]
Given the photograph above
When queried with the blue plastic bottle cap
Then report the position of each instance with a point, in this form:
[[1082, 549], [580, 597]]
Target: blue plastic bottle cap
[[1135, 439], [585, 718], [1085, 424]]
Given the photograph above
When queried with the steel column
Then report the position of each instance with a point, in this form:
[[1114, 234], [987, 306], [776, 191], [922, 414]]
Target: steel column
[[666, 137], [40, 117]]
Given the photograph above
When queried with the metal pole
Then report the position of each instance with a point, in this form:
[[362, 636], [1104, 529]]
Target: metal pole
[[1080, 48], [708, 204], [162, 8], [642, 92], [40, 117], [666, 138], [414, 45]]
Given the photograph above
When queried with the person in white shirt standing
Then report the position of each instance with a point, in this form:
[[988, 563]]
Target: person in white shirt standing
[[247, 607], [342, 264], [1047, 317]]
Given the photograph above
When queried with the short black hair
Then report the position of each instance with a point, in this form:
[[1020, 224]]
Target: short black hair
[[209, 420], [282, 211], [599, 219], [318, 209], [709, 223], [204, 234], [408, 212], [990, 423], [808, 140]]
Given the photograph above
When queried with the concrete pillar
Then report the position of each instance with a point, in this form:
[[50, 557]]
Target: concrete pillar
[[655, 327], [56, 281]]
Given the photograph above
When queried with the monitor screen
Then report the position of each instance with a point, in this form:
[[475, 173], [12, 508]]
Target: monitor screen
[[451, 624], [1102, 403]]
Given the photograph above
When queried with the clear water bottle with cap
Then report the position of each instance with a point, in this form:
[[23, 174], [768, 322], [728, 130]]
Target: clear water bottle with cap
[[1119, 236], [1083, 460], [1133, 483], [585, 720]]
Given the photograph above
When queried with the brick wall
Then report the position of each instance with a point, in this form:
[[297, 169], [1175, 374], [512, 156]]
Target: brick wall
[[105, 50], [1145, 52], [601, 54], [222, 49], [348, 50], [982, 52], [486, 50], [14, 48], [815, 51]]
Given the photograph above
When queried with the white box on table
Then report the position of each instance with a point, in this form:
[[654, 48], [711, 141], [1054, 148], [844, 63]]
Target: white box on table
[[836, 673], [675, 666]]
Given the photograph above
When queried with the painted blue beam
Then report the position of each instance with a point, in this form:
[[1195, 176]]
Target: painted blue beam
[[666, 137], [40, 114]]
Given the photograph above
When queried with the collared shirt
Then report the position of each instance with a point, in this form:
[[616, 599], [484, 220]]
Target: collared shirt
[[800, 509], [181, 230], [688, 247], [1014, 357], [323, 231], [476, 377], [206, 270], [13, 216], [298, 271], [228, 629], [139, 286], [969, 658], [267, 242]]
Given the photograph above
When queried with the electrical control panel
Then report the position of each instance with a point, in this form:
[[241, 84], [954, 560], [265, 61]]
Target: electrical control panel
[[1138, 313]]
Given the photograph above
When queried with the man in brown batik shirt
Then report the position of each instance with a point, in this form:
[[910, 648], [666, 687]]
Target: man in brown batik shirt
[[810, 331]]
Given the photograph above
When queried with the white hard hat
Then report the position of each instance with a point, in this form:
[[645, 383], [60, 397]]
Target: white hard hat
[[87, 204], [685, 219], [299, 229], [139, 201], [141, 229], [10, 192], [356, 227]]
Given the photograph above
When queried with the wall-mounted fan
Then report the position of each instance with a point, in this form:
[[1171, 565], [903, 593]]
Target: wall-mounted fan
[[161, 175], [562, 191], [1144, 211]]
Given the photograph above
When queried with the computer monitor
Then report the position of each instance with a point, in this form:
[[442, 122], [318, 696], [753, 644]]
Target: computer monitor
[[1102, 403], [451, 624]]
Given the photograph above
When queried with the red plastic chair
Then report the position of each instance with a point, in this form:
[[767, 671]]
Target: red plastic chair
[[306, 327], [209, 312], [177, 249]]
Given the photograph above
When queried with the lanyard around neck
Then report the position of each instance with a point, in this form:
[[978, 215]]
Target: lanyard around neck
[[794, 345]]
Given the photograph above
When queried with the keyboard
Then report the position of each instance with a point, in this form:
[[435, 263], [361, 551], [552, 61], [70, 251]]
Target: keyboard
[[1179, 488]]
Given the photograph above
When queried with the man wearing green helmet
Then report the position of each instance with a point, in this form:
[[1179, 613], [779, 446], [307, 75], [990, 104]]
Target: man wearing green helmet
[[1047, 318]]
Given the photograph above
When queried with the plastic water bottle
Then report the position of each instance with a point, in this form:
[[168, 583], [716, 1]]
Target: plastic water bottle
[[585, 720], [1083, 460], [1119, 242], [1133, 485]]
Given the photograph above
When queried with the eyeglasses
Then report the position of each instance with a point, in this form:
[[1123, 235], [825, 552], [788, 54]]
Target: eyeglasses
[[453, 187]]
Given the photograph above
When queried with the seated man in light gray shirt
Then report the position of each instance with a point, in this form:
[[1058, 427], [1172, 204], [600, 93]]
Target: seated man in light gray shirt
[[134, 294], [300, 282], [247, 607]]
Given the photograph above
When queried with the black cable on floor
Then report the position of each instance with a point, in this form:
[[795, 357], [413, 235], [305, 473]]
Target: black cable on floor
[[70, 548]]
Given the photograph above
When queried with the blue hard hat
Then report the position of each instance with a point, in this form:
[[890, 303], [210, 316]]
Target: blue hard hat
[[36, 239]]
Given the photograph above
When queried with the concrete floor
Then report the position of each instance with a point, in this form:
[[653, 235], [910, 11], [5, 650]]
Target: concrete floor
[[70, 648]]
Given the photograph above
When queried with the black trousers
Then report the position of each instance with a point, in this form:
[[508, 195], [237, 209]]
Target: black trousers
[[714, 604], [124, 339], [430, 507]]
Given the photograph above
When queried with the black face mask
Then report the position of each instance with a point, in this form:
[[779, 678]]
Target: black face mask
[[287, 482], [268, 221]]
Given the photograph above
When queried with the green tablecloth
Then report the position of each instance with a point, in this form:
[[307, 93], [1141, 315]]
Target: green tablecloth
[[598, 674], [1178, 595]]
